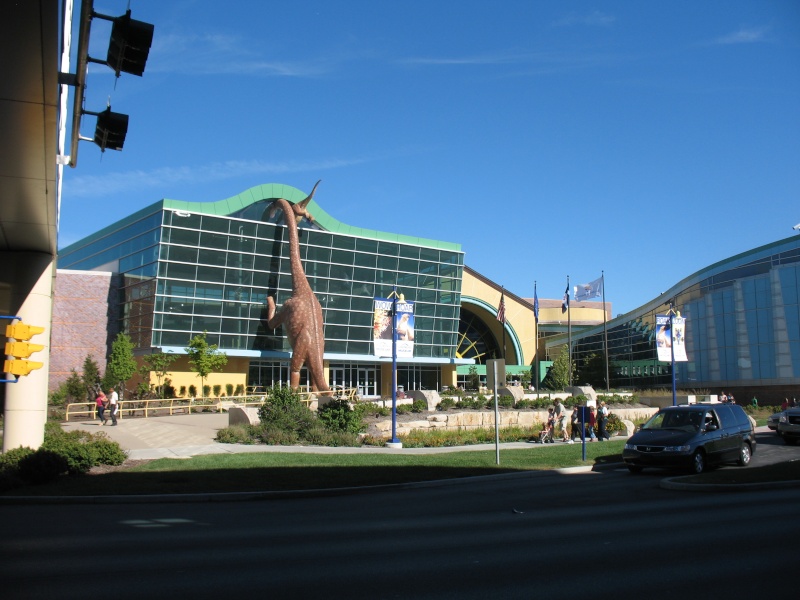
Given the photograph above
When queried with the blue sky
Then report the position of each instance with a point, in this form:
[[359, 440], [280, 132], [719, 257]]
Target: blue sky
[[645, 140]]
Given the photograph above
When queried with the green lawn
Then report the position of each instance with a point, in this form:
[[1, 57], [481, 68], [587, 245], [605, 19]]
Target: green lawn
[[268, 471]]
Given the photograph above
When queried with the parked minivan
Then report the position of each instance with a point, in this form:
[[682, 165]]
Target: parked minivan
[[696, 436]]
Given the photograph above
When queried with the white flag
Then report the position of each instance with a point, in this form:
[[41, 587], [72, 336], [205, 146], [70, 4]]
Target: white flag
[[586, 291]]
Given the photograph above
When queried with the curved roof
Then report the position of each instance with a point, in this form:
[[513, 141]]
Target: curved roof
[[324, 220]]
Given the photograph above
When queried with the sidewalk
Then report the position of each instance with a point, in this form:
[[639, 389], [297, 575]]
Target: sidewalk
[[183, 436]]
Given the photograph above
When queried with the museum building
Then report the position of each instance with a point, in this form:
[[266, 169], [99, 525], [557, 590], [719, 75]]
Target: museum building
[[742, 330], [176, 269]]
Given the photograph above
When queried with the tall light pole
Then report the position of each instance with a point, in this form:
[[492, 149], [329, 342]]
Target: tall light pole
[[394, 442]]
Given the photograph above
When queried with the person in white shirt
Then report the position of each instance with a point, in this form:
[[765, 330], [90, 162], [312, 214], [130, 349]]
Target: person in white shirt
[[113, 405]]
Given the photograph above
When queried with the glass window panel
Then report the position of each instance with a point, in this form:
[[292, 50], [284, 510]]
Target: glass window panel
[[206, 323], [429, 254], [388, 263], [318, 255], [388, 249], [344, 242], [341, 257], [176, 321], [181, 254], [209, 291], [367, 246], [210, 274], [212, 257], [238, 277], [318, 238], [217, 241], [208, 307], [239, 243], [180, 271], [191, 221], [409, 252], [368, 261], [220, 225]]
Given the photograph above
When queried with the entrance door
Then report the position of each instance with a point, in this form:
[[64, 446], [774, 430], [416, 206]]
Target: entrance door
[[337, 377], [367, 382]]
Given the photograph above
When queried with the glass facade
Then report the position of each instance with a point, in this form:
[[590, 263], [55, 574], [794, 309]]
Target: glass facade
[[742, 327], [184, 272]]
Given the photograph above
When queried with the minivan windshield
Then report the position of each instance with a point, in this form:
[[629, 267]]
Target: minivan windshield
[[673, 419]]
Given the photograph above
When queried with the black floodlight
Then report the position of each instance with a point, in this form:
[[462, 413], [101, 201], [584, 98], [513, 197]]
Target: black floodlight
[[130, 45], [111, 130]]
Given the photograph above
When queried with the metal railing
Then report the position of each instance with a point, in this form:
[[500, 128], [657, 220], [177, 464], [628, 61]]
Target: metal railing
[[171, 406]]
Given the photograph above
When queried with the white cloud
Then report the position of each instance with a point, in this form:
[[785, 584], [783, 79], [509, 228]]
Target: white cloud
[[93, 186], [212, 54], [743, 36], [592, 19]]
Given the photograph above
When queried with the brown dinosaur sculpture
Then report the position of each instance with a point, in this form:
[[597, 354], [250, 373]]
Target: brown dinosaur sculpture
[[301, 314]]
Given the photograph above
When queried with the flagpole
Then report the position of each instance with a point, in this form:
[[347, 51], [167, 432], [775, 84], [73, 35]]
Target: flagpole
[[605, 331], [536, 355], [569, 331]]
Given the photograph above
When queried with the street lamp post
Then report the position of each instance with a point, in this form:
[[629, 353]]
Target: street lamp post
[[394, 442]]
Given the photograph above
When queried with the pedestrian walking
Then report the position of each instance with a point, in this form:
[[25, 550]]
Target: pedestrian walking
[[113, 404], [602, 419], [100, 403]]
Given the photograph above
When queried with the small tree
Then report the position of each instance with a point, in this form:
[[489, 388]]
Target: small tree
[[558, 375], [473, 381], [158, 364], [121, 364], [90, 377], [204, 358], [74, 386]]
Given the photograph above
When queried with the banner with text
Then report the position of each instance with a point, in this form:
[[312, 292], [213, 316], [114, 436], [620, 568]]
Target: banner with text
[[667, 341], [382, 328]]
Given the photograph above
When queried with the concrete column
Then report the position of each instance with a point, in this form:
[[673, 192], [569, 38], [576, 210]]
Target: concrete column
[[26, 401]]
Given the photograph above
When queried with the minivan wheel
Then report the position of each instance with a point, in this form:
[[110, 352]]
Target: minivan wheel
[[745, 455], [698, 462]]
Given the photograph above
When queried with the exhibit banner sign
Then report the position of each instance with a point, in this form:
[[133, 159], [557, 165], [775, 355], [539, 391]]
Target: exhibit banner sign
[[671, 335], [403, 327]]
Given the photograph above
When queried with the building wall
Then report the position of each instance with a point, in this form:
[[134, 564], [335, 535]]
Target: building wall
[[81, 326]]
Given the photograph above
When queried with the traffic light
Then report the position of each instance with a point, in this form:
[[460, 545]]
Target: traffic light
[[130, 45], [22, 349], [111, 129]]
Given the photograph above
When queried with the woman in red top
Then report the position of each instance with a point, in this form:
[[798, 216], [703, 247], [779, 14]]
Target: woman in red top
[[100, 403]]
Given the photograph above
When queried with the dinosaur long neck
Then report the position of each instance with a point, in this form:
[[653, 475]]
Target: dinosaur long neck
[[299, 281]]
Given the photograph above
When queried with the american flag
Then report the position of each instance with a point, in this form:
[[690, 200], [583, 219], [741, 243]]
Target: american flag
[[501, 312]]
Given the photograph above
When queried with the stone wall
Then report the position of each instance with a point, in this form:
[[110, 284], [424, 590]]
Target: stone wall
[[485, 419]]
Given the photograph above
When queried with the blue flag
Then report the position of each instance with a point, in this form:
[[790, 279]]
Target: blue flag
[[535, 305]]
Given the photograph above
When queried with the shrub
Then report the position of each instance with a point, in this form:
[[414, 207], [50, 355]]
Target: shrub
[[79, 456], [418, 406], [614, 424], [42, 466], [446, 404], [107, 452], [229, 389], [284, 410], [403, 409], [367, 408], [239, 389], [9, 461], [273, 434], [337, 415], [505, 401], [321, 436], [193, 391], [235, 434]]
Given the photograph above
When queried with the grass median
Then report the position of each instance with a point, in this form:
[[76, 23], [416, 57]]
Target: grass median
[[283, 471]]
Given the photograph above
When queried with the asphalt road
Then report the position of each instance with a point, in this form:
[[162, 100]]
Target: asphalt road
[[600, 535]]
